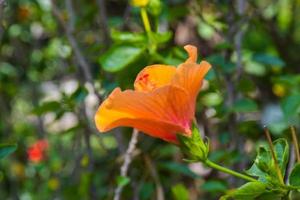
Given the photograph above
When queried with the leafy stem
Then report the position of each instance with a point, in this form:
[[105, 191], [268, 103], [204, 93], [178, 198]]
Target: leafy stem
[[229, 171]]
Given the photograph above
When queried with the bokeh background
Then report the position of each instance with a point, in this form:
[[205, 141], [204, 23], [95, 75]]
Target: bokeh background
[[60, 59]]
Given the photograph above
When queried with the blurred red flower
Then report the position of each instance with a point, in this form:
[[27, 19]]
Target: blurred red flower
[[36, 152]]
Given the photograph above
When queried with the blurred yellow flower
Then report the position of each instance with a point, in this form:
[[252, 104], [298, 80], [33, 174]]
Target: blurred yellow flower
[[18, 169], [139, 3], [279, 90], [53, 183], [84, 161]]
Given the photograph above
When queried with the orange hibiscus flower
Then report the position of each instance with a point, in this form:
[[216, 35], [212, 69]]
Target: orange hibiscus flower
[[162, 103]]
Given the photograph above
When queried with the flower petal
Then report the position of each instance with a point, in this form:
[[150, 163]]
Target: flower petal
[[158, 129], [192, 52], [190, 76], [160, 113], [154, 76]]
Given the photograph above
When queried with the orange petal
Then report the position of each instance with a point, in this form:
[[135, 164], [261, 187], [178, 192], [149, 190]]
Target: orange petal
[[154, 76], [192, 52], [159, 113], [156, 129], [190, 76]]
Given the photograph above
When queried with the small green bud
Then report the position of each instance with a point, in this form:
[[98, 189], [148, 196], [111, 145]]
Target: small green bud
[[194, 147], [155, 7]]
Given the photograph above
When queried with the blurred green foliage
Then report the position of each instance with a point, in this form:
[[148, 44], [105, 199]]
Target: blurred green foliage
[[45, 92]]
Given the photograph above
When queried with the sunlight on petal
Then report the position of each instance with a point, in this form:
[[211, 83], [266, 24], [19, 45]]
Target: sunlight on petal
[[154, 76], [190, 76]]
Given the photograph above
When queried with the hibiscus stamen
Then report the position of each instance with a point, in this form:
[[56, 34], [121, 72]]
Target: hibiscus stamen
[[145, 83]]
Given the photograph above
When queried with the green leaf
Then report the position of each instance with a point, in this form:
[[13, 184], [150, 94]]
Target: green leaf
[[284, 15], [268, 59], [246, 85], [223, 45], [205, 30], [255, 68], [147, 189], [264, 167], [178, 168], [79, 94], [161, 37], [176, 12], [261, 165], [245, 105], [256, 171], [119, 57], [128, 37], [281, 148], [271, 195], [6, 149], [220, 62], [50, 106], [268, 195], [249, 191], [294, 178], [7, 69], [211, 99], [214, 186], [122, 181], [290, 80], [180, 192], [291, 105], [263, 159]]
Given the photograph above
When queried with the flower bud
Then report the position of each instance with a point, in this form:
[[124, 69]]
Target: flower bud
[[155, 7], [194, 146]]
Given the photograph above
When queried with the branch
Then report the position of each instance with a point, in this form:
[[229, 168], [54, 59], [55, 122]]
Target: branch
[[238, 40], [83, 64], [155, 176], [127, 160], [71, 18], [1, 18], [103, 21]]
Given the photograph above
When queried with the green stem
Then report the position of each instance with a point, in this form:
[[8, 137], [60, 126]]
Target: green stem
[[229, 171], [152, 45], [145, 20]]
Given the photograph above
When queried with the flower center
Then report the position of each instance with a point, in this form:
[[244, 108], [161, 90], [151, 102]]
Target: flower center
[[144, 83]]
